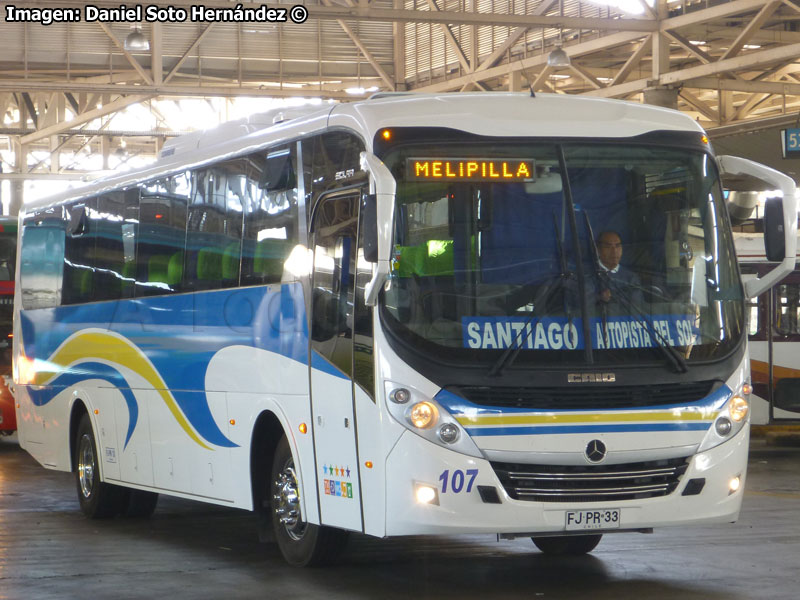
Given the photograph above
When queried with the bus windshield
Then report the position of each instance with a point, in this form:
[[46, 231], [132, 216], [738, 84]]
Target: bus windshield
[[570, 253]]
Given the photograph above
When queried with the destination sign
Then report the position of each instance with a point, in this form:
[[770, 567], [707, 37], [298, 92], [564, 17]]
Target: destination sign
[[470, 169], [559, 333]]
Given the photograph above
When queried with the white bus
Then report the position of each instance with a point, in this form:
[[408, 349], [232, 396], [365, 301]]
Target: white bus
[[392, 317], [774, 333]]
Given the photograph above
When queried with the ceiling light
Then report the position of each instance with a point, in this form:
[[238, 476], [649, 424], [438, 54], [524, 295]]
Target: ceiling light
[[558, 58], [136, 42], [359, 91]]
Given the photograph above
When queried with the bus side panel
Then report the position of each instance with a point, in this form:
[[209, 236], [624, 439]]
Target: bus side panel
[[370, 452], [133, 436], [284, 393], [100, 402], [44, 429]]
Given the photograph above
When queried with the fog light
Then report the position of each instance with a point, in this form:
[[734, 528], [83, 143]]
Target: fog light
[[400, 396], [448, 433], [734, 484], [723, 426], [738, 408], [426, 494], [423, 415]]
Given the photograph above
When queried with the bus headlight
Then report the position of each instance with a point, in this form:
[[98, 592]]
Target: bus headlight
[[423, 415], [729, 421], [738, 407], [723, 426], [420, 413], [448, 433]]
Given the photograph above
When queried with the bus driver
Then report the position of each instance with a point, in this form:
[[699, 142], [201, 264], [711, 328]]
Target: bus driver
[[614, 278]]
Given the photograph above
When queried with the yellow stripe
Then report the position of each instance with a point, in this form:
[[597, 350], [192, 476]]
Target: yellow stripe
[[551, 419], [97, 345]]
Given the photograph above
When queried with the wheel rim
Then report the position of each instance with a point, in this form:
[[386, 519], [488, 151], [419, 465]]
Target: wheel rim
[[86, 465], [287, 502]]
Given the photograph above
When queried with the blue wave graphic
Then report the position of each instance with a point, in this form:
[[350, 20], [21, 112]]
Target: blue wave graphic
[[83, 372], [180, 335]]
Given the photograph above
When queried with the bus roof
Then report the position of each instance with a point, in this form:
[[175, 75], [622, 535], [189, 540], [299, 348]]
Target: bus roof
[[504, 115]]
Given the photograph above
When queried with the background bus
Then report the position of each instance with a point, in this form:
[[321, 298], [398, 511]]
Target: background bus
[[386, 317], [774, 334], [8, 263]]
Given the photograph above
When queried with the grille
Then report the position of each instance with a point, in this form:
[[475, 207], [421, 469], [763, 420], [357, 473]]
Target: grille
[[632, 481], [587, 396]]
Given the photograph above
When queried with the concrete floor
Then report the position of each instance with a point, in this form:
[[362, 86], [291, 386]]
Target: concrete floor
[[190, 550]]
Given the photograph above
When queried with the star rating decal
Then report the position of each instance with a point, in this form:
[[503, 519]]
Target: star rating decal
[[338, 471]]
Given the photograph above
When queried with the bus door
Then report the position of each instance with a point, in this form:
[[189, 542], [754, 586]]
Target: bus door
[[334, 230], [785, 349]]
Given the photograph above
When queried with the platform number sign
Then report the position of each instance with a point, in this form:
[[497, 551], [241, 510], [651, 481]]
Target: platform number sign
[[790, 142]]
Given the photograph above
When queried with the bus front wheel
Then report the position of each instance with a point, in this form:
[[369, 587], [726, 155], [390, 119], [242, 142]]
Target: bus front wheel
[[302, 544], [567, 544], [98, 499]]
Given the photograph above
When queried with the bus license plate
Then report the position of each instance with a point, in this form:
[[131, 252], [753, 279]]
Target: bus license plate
[[607, 518]]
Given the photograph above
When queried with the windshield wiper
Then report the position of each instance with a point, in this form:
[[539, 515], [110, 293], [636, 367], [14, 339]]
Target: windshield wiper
[[674, 357], [510, 354]]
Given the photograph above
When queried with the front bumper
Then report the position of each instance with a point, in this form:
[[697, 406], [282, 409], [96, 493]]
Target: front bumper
[[460, 509]]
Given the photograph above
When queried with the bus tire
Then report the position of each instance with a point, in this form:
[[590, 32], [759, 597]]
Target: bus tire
[[98, 500], [567, 545], [301, 544], [141, 504]]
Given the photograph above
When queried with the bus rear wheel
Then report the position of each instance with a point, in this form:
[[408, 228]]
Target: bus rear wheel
[[98, 499], [567, 545], [302, 544]]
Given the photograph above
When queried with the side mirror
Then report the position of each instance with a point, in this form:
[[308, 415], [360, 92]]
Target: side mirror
[[785, 212], [774, 235], [383, 186], [369, 227]]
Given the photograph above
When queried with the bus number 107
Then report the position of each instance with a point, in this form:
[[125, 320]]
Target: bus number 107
[[458, 480]]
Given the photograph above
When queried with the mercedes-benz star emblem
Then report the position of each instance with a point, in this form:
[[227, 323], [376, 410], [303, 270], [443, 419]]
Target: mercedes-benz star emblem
[[595, 451]]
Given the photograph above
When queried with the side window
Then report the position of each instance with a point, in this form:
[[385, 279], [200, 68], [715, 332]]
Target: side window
[[270, 214], [335, 224], [42, 258], [787, 311], [117, 222], [79, 252], [162, 235], [214, 232]]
